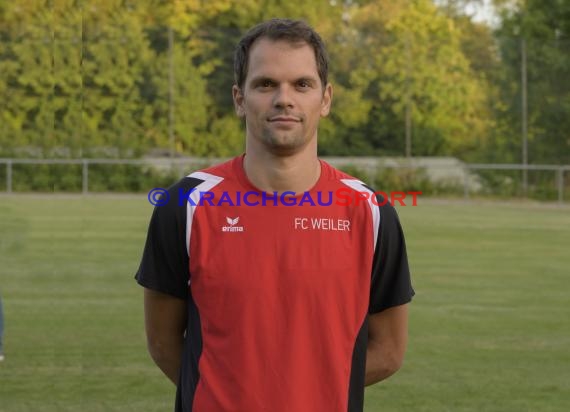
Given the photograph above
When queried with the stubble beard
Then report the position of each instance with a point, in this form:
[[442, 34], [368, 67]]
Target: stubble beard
[[283, 143]]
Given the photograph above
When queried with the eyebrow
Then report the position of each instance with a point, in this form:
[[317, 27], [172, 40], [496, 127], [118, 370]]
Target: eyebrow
[[260, 79], [309, 79]]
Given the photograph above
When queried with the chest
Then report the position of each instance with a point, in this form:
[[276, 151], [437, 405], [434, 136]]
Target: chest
[[277, 247]]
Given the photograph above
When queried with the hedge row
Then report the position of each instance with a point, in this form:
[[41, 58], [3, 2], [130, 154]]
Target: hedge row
[[142, 178]]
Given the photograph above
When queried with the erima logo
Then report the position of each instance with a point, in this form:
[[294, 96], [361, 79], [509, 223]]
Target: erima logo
[[232, 225]]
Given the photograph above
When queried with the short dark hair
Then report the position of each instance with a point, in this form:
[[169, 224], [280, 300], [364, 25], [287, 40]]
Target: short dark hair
[[293, 31]]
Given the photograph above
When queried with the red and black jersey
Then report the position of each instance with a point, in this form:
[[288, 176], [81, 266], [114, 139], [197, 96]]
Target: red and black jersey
[[278, 288]]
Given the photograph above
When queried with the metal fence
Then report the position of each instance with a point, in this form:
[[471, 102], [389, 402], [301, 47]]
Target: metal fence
[[464, 175]]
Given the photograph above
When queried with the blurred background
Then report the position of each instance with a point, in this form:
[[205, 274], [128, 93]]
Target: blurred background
[[422, 84], [466, 101]]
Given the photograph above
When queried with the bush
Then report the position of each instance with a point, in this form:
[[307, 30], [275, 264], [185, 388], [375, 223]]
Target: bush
[[542, 184], [403, 180], [358, 173], [68, 178], [46, 178]]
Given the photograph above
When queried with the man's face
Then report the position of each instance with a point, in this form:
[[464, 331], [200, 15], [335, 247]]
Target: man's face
[[282, 99]]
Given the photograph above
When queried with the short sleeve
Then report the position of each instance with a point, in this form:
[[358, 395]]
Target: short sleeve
[[164, 265], [391, 281]]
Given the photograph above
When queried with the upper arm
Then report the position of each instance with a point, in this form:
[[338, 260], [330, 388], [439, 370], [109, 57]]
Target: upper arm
[[164, 272], [388, 331], [165, 317]]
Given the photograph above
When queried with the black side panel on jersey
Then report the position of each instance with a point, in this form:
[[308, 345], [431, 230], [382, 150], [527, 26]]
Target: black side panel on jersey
[[358, 370], [164, 264], [189, 374], [391, 282], [165, 268]]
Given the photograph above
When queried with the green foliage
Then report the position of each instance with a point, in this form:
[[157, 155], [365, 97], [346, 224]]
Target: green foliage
[[129, 178], [405, 180], [354, 171], [26, 80], [418, 62], [101, 178], [46, 178], [542, 185], [81, 79], [544, 26], [501, 184]]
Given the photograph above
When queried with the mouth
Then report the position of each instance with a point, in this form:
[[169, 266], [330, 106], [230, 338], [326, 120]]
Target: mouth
[[284, 119]]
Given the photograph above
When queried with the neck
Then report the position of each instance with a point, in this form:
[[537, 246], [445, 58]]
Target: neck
[[297, 172]]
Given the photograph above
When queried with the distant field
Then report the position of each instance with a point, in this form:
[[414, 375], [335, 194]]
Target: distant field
[[490, 323]]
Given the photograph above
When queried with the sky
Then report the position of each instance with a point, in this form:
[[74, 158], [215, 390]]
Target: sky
[[483, 13]]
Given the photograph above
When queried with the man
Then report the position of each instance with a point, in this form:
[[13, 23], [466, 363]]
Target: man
[[257, 299]]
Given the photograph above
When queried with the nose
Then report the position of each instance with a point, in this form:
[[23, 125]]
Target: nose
[[283, 97]]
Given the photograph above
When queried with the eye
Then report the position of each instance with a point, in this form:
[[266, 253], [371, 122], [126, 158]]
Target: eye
[[265, 84], [303, 84]]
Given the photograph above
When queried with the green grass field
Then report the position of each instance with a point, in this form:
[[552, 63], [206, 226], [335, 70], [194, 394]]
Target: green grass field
[[490, 323]]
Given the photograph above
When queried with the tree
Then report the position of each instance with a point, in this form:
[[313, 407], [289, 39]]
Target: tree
[[544, 27], [408, 55], [27, 78]]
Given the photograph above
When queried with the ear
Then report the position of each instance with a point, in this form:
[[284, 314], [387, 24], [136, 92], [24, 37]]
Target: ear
[[327, 100], [238, 101]]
